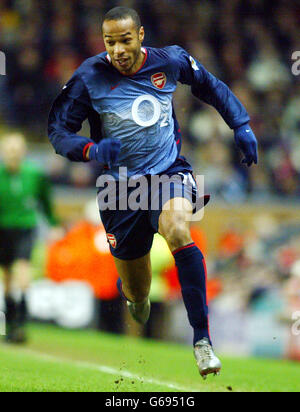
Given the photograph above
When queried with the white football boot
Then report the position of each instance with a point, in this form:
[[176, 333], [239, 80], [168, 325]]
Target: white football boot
[[140, 311], [207, 361]]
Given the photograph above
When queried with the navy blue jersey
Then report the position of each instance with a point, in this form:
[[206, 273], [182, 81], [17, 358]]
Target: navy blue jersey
[[136, 109]]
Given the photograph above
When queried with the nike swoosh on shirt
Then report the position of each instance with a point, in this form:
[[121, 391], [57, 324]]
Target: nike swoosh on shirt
[[114, 87]]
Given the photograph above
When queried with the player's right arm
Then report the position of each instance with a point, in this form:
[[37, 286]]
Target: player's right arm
[[70, 109]]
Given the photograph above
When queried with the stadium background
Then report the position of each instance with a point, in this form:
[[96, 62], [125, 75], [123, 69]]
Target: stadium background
[[251, 229]]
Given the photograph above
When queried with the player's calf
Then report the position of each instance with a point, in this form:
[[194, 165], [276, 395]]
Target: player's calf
[[140, 310], [136, 277]]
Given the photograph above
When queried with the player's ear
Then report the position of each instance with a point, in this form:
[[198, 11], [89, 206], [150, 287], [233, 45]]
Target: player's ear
[[142, 34]]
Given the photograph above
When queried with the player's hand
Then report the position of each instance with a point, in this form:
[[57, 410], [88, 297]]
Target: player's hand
[[247, 143], [106, 152]]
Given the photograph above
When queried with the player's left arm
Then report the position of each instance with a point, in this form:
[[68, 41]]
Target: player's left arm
[[214, 92]]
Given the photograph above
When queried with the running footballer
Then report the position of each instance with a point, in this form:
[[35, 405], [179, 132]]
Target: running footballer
[[126, 95]]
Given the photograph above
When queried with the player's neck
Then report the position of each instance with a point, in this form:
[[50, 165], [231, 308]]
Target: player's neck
[[138, 64]]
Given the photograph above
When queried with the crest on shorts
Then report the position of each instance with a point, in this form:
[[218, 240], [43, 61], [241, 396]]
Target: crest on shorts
[[112, 240], [159, 80]]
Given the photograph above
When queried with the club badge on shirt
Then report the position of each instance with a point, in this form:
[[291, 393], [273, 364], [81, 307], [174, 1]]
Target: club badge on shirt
[[159, 80]]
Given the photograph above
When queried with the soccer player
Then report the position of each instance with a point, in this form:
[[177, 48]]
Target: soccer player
[[23, 187], [126, 95]]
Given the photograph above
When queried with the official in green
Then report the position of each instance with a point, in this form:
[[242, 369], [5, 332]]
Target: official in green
[[24, 189]]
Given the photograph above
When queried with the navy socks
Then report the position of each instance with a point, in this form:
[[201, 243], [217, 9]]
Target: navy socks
[[192, 277]]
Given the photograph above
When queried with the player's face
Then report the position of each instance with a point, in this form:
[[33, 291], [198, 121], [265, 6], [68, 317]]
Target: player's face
[[123, 43]]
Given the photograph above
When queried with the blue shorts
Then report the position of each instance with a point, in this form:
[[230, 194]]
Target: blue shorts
[[130, 232]]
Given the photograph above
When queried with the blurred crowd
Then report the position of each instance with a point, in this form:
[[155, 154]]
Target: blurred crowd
[[246, 43], [264, 258], [259, 273]]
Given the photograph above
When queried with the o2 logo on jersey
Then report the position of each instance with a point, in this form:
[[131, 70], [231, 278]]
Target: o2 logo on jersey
[[156, 112], [159, 80]]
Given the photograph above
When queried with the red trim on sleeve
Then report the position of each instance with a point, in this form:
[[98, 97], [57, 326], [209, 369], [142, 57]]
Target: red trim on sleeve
[[85, 149]]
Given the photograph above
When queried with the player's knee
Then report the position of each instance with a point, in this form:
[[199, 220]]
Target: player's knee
[[178, 236], [136, 293]]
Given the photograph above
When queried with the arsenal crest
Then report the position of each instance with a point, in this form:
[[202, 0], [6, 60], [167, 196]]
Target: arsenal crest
[[112, 240], [159, 80]]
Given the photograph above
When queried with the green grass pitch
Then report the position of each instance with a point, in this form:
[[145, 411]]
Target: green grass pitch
[[58, 360]]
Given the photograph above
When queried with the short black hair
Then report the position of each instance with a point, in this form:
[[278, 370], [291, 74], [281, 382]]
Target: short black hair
[[122, 13]]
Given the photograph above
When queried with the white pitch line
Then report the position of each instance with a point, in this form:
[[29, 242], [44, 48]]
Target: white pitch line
[[109, 370]]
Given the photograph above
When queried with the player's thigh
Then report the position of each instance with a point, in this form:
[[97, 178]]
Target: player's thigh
[[135, 274], [174, 222]]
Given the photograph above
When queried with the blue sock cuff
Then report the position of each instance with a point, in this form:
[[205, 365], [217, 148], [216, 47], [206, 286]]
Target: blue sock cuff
[[186, 251], [183, 248]]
